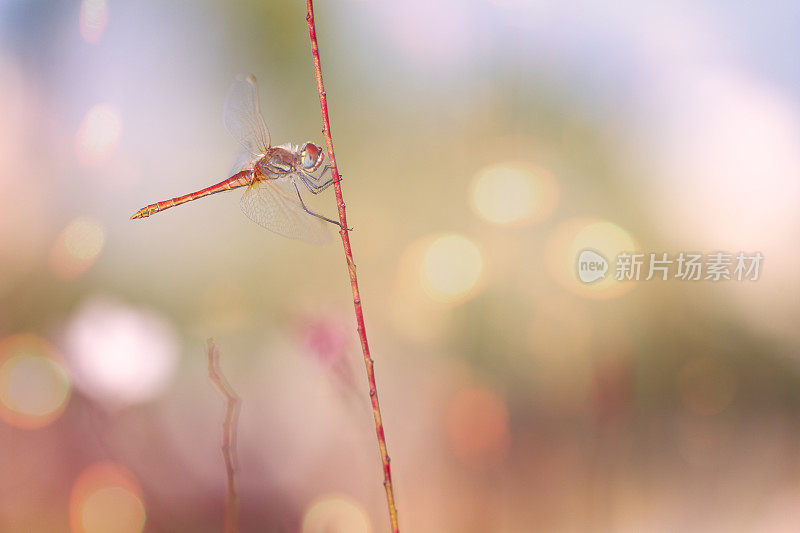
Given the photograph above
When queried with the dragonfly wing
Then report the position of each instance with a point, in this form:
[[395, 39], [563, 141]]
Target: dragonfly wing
[[244, 160], [274, 204], [243, 118]]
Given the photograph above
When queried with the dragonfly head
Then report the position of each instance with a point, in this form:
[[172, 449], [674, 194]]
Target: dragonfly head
[[311, 156]]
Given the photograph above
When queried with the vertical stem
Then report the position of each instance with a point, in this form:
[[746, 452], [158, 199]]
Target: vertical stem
[[351, 266], [228, 436]]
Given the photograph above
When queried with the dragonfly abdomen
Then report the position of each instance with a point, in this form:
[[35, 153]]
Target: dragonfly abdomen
[[239, 179]]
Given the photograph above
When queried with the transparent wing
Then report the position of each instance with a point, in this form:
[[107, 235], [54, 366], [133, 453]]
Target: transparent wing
[[244, 160], [274, 205], [243, 118]]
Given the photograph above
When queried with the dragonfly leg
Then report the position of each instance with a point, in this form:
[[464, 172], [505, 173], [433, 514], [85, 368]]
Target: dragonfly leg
[[310, 212], [328, 183], [325, 169], [328, 169], [314, 188]]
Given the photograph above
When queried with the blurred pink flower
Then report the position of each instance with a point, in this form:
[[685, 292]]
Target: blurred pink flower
[[120, 354], [325, 337]]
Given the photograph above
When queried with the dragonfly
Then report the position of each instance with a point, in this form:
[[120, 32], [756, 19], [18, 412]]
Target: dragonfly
[[272, 176]]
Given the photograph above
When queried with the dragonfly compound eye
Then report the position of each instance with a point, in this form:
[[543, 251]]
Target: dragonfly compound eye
[[312, 156]]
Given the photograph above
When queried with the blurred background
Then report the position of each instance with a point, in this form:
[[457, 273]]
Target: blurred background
[[483, 144]]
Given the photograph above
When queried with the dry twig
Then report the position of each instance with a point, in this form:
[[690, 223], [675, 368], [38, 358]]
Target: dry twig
[[229, 425], [362, 333]]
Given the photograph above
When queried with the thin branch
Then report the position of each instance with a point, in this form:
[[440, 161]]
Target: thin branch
[[362, 332], [229, 425]]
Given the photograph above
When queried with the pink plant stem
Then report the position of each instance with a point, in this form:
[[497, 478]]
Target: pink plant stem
[[229, 424], [362, 332]]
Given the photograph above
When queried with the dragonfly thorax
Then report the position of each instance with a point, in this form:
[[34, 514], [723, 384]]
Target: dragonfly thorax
[[277, 160], [285, 159]]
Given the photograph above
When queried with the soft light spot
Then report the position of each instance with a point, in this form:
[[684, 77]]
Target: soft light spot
[[112, 509], [77, 248], [335, 514], [565, 244], [37, 385], [451, 268], [106, 497], [120, 354], [415, 314], [34, 386], [93, 20], [98, 135], [477, 427], [514, 194]]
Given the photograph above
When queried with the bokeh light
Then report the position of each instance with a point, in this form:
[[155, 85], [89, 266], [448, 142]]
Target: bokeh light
[[514, 194], [77, 248], [34, 386], [571, 237], [98, 135], [120, 354], [476, 421], [93, 20], [451, 268], [335, 514], [106, 497], [415, 314]]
